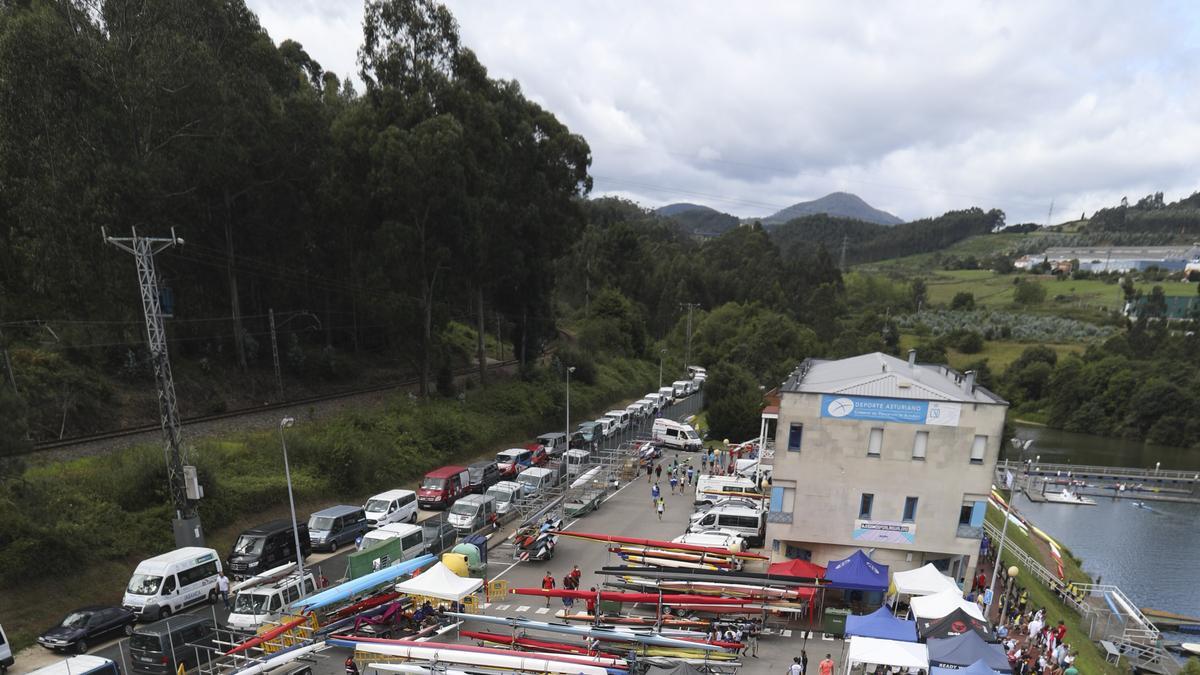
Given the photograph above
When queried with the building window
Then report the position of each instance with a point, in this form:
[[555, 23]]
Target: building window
[[783, 499], [920, 442], [910, 509], [795, 432], [964, 514], [876, 443], [865, 504], [797, 553], [978, 448]]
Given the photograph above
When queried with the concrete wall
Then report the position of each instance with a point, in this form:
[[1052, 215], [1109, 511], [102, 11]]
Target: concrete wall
[[832, 470]]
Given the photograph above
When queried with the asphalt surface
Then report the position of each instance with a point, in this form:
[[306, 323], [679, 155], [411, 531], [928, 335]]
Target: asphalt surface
[[627, 511]]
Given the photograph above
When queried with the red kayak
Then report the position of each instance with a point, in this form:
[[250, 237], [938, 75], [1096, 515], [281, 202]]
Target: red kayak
[[656, 543], [614, 596], [269, 635], [537, 645], [639, 620]]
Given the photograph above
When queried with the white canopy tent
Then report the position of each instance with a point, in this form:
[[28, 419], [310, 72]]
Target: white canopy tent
[[886, 653], [925, 580], [439, 582], [939, 605]]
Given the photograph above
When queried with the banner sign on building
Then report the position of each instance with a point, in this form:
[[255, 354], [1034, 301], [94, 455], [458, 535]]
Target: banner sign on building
[[902, 410], [884, 532]]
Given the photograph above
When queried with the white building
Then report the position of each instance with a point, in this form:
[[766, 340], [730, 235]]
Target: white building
[[885, 455]]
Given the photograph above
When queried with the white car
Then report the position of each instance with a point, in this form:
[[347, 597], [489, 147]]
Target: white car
[[393, 506]]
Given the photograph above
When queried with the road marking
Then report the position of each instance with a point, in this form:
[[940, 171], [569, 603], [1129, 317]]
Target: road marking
[[523, 608], [827, 637], [503, 608], [486, 605], [542, 610], [787, 633]]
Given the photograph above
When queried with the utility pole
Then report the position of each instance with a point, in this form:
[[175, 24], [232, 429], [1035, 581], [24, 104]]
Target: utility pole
[[687, 359], [8, 365], [275, 354], [180, 477], [842, 260], [1050, 214]]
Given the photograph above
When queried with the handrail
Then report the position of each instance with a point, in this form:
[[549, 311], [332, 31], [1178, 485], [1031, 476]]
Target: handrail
[[1045, 468]]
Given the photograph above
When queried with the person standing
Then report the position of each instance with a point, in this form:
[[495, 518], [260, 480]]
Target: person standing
[[591, 602], [826, 665], [548, 585], [658, 472], [674, 483], [691, 475], [654, 494], [223, 588], [661, 506], [795, 668], [804, 661], [568, 584], [576, 575]]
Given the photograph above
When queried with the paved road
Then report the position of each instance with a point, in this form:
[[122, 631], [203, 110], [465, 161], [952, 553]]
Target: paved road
[[627, 512]]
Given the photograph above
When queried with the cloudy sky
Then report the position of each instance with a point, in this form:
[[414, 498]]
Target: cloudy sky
[[918, 107]]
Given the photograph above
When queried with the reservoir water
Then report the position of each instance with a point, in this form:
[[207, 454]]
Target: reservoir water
[[1153, 555]]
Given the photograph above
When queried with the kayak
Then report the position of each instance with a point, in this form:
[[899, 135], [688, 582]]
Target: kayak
[[658, 543]]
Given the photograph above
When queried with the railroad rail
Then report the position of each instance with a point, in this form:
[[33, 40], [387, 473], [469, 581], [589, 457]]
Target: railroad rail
[[229, 414]]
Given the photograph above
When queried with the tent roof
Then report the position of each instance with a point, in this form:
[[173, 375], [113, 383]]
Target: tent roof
[[439, 582], [953, 624], [925, 580], [857, 573], [939, 605], [965, 650], [977, 668], [887, 653], [796, 568], [881, 624]]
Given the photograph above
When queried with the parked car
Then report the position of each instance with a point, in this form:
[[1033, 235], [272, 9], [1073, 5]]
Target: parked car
[[482, 475], [668, 395], [393, 506], [620, 420], [750, 524], [442, 487], [536, 479], [6, 655], [412, 539], [555, 443], [252, 607], [473, 512], [337, 526], [439, 535], [512, 461], [161, 647], [84, 664], [266, 546], [86, 626], [584, 436], [605, 427], [167, 583]]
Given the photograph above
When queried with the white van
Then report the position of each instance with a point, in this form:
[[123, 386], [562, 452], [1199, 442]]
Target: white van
[[647, 406], [605, 426], [711, 488], [473, 512], [393, 506], [620, 419], [412, 539], [656, 399], [536, 479], [750, 524], [84, 664], [6, 655], [167, 583], [255, 606], [675, 435], [697, 371], [577, 461], [667, 394], [682, 388], [716, 539], [506, 493]]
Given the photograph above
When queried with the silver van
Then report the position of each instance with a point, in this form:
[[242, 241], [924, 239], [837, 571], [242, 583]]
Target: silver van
[[337, 526], [577, 462], [255, 606], [750, 524], [412, 539], [536, 479], [506, 493], [473, 512]]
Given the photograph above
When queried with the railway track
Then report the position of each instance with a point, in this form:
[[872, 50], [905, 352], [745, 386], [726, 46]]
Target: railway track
[[147, 428]]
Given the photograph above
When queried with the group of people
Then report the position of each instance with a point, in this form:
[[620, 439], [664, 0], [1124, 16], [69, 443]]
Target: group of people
[[570, 582], [800, 665], [743, 632], [1034, 647]]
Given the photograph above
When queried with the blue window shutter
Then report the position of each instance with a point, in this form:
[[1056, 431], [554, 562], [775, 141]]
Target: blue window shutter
[[795, 432], [977, 514], [776, 498]]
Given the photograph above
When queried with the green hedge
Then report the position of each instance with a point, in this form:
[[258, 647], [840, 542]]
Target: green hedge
[[57, 517]]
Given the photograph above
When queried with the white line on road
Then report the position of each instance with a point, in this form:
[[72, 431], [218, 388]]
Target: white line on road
[[523, 608], [542, 610]]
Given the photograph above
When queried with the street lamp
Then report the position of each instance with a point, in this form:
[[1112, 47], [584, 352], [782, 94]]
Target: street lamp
[[570, 370], [287, 472], [661, 353]]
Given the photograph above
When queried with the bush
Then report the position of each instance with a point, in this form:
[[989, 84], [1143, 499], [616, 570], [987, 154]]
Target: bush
[[1029, 293], [970, 343], [963, 300]]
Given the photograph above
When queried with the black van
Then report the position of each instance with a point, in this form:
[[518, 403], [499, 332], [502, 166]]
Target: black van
[[159, 648], [266, 546], [483, 475]]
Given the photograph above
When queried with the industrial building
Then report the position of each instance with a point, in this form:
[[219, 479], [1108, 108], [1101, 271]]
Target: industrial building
[[1118, 258], [883, 455]]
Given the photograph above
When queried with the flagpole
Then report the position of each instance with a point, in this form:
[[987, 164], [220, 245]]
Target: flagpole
[[999, 552]]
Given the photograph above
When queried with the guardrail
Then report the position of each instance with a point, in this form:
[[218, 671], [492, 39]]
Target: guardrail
[[1075, 470]]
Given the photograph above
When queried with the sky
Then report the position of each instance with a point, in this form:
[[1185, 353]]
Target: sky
[[917, 107]]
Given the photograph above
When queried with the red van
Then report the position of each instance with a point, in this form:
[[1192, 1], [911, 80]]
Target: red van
[[443, 486]]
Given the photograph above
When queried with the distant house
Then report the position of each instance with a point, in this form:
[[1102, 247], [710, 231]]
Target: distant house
[[1124, 258], [1179, 307], [1025, 262]]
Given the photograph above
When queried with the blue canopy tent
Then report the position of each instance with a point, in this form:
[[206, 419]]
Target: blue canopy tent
[[881, 624], [977, 668], [857, 573], [965, 650]]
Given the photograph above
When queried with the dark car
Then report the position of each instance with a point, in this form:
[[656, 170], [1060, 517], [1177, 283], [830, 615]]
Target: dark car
[[267, 546], [161, 647], [483, 475], [439, 535], [87, 626]]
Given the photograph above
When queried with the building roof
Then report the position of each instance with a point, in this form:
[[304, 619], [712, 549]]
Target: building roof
[[878, 374], [1121, 252]]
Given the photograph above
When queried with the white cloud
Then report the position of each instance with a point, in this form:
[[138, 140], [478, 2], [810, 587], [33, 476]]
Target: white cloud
[[918, 107]]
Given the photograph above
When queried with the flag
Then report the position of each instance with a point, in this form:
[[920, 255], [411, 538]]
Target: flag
[[1008, 479]]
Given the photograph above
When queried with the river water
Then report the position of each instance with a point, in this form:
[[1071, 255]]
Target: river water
[[1153, 555]]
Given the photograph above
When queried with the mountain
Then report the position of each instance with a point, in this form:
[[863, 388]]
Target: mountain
[[698, 220], [836, 204]]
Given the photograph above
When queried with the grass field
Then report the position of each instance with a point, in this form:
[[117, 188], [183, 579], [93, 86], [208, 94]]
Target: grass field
[[996, 290], [999, 353], [980, 246]]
